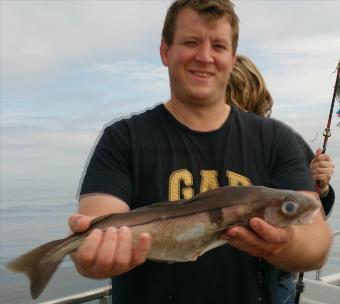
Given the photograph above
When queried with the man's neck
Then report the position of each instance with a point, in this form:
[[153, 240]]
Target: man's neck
[[199, 118]]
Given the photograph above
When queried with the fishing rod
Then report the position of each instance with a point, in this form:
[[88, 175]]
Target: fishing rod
[[327, 133]]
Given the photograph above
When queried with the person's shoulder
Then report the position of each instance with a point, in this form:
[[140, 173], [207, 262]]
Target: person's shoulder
[[135, 120], [299, 138], [280, 127], [270, 129], [244, 115], [250, 117], [252, 120], [146, 114]]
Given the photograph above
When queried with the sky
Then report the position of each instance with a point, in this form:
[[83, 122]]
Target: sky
[[70, 67]]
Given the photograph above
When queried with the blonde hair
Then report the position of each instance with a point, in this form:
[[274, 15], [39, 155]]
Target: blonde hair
[[209, 9], [247, 90]]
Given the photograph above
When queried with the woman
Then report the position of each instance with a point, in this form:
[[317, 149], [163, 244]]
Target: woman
[[247, 91]]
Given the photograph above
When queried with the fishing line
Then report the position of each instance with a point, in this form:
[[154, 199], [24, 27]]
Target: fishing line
[[315, 138]]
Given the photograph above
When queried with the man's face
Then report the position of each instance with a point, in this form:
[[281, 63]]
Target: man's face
[[200, 59]]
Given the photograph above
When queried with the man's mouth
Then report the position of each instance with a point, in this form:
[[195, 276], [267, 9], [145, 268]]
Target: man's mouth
[[201, 74]]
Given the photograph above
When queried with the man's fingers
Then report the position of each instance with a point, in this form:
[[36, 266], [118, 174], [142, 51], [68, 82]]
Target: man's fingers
[[123, 252], [140, 253], [322, 165], [321, 176], [106, 252], [86, 254], [262, 240], [322, 158], [318, 151], [328, 171], [79, 223], [268, 232], [109, 253], [73, 220], [245, 240]]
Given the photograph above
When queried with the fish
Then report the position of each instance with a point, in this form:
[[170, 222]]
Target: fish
[[181, 230]]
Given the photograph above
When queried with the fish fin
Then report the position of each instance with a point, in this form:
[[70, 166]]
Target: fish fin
[[39, 265], [213, 245], [162, 204], [180, 201], [174, 203]]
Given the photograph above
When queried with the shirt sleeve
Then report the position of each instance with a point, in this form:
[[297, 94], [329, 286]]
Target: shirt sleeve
[[288, 168], [109, 167]]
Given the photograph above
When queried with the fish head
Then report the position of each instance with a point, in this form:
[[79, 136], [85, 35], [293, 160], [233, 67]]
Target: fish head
[[291, 208]]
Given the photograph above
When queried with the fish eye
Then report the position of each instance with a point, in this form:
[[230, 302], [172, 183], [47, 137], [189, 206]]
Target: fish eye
[[289, 207]]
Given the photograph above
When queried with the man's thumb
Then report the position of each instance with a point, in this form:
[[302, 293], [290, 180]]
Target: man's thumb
[[318, 151]]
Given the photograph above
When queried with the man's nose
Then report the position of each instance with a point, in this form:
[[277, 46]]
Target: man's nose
[[204, 53]]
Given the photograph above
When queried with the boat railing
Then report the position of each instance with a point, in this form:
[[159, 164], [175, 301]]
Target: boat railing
[[103, 294]]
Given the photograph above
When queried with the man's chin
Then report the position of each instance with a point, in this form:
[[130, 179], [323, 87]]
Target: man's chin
[[202, 100]]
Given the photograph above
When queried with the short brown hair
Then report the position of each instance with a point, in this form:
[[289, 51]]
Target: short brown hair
[[247, 90], [209, 9]]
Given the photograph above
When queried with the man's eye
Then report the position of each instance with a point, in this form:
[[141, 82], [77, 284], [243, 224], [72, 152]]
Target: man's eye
[[190, 43], [221, 47]]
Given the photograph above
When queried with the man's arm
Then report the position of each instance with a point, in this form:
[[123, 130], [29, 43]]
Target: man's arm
[[295, 248], [110, 253]]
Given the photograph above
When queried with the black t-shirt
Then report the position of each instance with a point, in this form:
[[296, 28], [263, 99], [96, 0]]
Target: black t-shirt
[[151, 157]]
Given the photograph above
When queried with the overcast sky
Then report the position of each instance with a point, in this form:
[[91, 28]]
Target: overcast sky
[[69, 67]]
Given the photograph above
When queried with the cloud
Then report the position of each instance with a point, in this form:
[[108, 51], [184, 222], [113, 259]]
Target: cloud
[[144, 75], [70, 67], [40, 38], [263, 21]]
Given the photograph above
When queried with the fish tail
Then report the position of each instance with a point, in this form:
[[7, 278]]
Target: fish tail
[[40, 263]]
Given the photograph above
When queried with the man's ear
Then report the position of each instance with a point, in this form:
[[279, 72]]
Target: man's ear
[[164, 48]]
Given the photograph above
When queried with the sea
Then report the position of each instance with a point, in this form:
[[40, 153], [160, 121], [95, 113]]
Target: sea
[[30, 216]]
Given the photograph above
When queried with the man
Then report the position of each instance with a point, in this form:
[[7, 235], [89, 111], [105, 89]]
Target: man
[[193, 143]]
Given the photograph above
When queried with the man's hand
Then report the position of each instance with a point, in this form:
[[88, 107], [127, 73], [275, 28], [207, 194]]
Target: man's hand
[[262, 240], [291, 248], [322, 169], [105, 254]]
